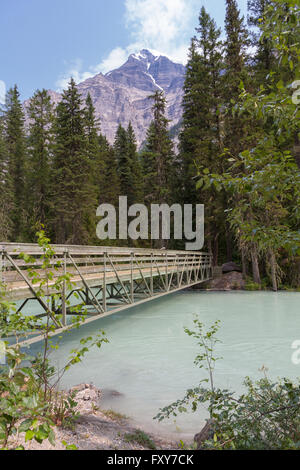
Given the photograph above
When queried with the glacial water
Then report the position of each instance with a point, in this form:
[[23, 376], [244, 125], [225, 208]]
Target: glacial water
[[149, 360]]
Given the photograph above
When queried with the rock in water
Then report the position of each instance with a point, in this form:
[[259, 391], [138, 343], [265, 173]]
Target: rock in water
[[229, 281]]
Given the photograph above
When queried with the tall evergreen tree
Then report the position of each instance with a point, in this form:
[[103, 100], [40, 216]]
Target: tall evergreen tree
[[264, 57], [124, 165], [235, 72], [110, 190], [74, 196], [201, 136], [158, 159], [40, 112], [92, 129], [6, 190], [236, 128], [16, 147], [159, 154], [136, 190]]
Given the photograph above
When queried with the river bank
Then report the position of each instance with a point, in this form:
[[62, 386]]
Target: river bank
[[97, 429]]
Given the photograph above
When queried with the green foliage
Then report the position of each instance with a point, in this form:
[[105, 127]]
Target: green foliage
[[6, 189], [30, 401], [40, 154], [74, 196], [16, 160], [264, 417], [129, 165], [158, 155], [252, 286], [140, 437], [114, 415]]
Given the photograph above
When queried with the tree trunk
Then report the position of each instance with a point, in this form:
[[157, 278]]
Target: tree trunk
[[216, 250], [255, 265], [273, 270], [228, 245], [296, 150], [244, 263]]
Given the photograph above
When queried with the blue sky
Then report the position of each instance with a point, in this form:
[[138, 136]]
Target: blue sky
[[44, 42]]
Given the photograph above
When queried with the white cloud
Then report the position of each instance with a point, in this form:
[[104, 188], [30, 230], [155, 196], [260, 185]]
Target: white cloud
[[2, 92], [163, 26], [115, 58], [74, 71]]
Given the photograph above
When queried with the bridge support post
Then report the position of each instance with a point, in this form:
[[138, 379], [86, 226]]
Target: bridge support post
[[131, 279], [1, 266], [63, 294], [151, 276], [167, 273], [104, 283]]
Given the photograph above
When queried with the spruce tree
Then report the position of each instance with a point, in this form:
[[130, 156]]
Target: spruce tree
[[74, 196], [264, 57], [92, 130], [110, 190], [236, 127], [6, 190], [136, 189], [201, 135], [159, 154], [158, 159], [16, 148], [124, 165], [40, 156]]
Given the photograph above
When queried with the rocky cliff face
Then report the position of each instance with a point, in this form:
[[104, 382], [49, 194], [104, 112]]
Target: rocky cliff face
[[121, 95]]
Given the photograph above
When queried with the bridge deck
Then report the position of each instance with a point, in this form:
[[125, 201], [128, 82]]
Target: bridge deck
[[122, 277]]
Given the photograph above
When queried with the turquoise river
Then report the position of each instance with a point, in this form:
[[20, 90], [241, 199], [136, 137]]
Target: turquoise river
[[149, 360]]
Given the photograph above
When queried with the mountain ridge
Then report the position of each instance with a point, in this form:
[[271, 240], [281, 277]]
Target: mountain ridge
[[122, 95]]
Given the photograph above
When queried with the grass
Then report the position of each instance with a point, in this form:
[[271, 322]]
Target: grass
[[114, 415], [140, 437]]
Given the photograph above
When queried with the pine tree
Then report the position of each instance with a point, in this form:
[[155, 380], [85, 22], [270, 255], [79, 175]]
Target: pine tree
[[6, 190], [201, 136], [16, 147], [236, 127], [110, 188], [158, 159], [136, 190], [159, 154], [74, 196], [92, 129], [124, 165], [40, 143], [264, 58]]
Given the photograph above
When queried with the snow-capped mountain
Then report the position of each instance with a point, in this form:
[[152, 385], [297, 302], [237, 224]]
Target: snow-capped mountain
[[121, 95]]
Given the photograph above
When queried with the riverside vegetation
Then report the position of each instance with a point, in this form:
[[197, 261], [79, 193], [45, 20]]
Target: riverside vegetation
[[238, 150], [265, 417], [30, 400]]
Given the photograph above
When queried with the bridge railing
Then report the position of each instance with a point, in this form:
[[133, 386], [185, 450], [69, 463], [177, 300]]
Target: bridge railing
[[105, 278]]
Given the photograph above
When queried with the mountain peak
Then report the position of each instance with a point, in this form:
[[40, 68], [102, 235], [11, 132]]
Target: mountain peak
[[143, 55], [122, 95], [148, 72]]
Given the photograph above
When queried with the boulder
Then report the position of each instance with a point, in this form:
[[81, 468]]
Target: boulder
[[231, 267], [86, 392], [87, 395], [229, 281]]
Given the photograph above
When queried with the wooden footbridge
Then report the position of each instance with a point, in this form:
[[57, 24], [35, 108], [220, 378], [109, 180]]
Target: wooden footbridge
[[105, 280]]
